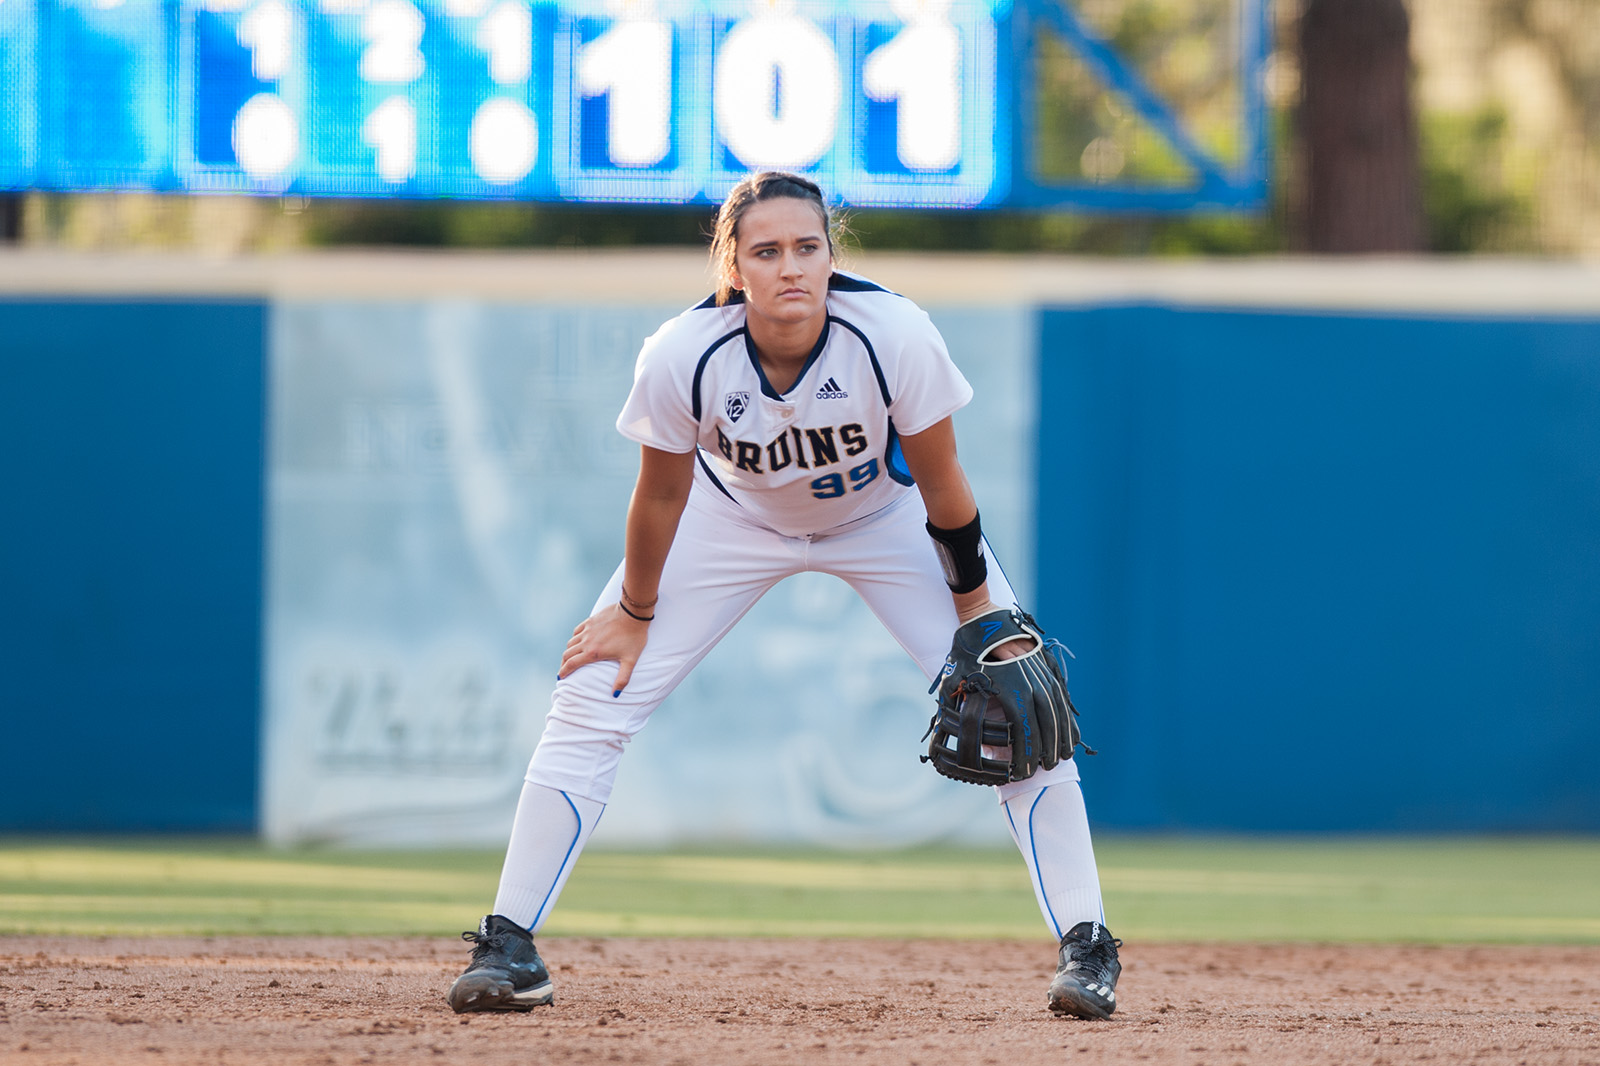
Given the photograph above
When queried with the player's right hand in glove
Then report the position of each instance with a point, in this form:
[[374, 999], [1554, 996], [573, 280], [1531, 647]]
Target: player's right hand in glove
[[1000, 717], [1011, 649]]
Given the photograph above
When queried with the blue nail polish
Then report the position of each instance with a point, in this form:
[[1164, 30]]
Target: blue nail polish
[[617, 693]]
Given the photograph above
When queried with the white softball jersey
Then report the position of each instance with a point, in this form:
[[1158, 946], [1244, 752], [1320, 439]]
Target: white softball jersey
[[821, 454]]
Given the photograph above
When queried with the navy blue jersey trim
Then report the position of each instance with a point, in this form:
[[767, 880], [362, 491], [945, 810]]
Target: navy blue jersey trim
[[761, 375], [842, 283], [883, 385], [710, 302], [700, 454], [700, 369]]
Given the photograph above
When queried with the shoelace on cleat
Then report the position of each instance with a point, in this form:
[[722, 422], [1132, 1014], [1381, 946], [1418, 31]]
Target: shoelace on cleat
[[1094, 958], [483, 944]]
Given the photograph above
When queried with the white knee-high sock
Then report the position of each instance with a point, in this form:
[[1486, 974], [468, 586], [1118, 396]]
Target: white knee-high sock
[[550, 830], [1051, 829]]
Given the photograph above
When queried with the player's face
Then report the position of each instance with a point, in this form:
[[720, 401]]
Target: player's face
[[782, 261]]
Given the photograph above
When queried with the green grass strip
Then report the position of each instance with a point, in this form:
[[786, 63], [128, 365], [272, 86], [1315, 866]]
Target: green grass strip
[[1296, 889]]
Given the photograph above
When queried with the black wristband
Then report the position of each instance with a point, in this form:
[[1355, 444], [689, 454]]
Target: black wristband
[[960, 553], [636, 617]]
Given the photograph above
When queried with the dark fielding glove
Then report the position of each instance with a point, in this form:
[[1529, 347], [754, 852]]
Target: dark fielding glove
[[1018, 704]]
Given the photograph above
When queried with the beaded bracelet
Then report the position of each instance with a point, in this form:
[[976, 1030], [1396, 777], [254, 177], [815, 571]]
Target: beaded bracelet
[[637, 605]]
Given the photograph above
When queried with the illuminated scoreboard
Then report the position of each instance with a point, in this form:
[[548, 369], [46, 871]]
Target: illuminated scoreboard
[[885, 102], [893, 102]]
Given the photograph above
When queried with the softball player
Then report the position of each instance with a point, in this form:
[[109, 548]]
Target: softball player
[[799, 419]]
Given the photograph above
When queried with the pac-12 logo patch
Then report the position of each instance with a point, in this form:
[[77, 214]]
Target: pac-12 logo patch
[[736, 404]]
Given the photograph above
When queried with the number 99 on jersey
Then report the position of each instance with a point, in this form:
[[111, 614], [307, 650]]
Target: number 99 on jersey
[[892, 102]]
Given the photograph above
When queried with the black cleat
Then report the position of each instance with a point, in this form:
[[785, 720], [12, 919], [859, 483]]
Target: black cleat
[[1085, 984], [506, 972]]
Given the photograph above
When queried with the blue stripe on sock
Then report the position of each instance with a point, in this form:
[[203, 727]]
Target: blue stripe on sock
[[1039, 876], [538, 918]]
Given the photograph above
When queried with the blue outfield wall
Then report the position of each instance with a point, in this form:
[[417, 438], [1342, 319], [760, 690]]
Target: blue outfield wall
[[1326, 572], [1322, 571], [130, 564]]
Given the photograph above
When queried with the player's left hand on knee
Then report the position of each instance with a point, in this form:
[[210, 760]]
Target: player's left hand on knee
[[609, 635]]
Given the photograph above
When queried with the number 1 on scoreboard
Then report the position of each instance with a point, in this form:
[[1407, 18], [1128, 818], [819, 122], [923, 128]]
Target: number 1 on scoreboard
[[393, 56], [920, 71], [266, 136], [630, 64], [503, 141]]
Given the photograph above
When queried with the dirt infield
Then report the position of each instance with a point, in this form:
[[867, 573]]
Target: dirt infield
[[318, 1001]]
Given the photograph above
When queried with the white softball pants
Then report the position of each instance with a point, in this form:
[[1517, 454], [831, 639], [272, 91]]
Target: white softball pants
[[720, 564]]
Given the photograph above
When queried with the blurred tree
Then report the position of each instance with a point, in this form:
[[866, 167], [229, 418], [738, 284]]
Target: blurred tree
[[1358, 129], [1470, 207], [10, 216]]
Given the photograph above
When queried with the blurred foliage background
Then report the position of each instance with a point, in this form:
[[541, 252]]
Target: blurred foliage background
[[1506, 95]]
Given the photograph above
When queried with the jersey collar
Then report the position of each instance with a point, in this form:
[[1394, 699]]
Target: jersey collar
[[761, 375]]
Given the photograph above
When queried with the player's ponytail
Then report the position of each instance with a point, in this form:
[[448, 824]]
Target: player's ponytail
[[768, 185]]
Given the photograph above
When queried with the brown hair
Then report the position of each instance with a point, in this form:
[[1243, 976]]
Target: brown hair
[[768, 185]]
